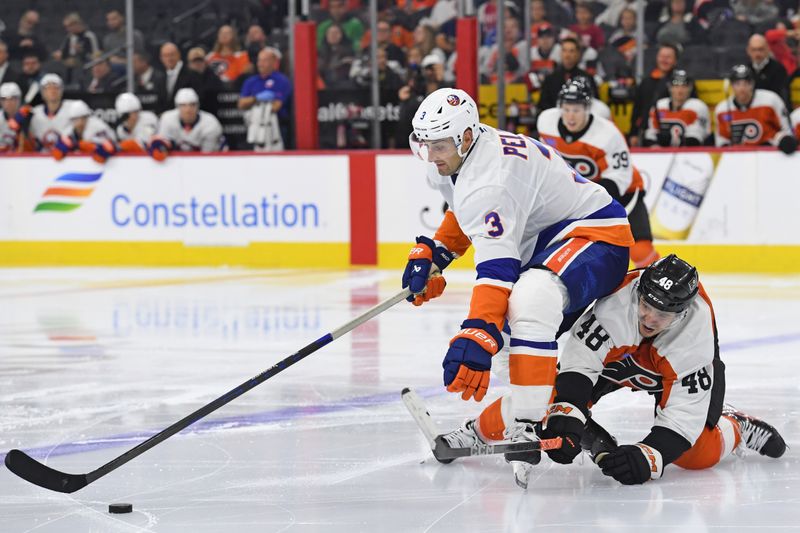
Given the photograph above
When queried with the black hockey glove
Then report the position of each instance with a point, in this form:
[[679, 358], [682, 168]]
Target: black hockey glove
[[787, 145], [664, 138], [566, 421], [632, 464]]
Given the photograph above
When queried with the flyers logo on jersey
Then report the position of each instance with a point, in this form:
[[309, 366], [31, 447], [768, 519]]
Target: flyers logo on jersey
[[585, 166], [676, 128], [629, 373], [453, 99], [746, 131]]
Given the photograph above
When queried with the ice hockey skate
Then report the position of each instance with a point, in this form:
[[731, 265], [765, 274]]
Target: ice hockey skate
[[757, 435], [523, 462]]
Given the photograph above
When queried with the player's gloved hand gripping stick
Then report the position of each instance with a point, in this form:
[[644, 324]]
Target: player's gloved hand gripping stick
[[35, 472]]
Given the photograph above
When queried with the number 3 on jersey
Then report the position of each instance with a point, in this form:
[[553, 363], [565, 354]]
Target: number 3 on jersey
[[495, 225]]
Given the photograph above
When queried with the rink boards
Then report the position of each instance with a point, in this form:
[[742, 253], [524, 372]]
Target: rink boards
[[730, 211]]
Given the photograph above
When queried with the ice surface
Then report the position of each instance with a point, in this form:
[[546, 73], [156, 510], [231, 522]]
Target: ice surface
[[92, 361]]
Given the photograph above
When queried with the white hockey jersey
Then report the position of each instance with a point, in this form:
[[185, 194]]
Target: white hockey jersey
[[598, 152], [691, 120], [146, 126], [794, 119], [45, 128], [764, 121], [512, 198], [205, 135], [675, 365], [8, 137], [96, 131]]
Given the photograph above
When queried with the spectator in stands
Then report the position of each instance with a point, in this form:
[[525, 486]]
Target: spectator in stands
[[270, 87], [545, 56], [104, 80], [783, 54], [79, 46], [350, 25], [588, 32], [254, 41], [210, 84], [538, 20], [487, 19], [187, 128], [335, 58], [7, 74], [513, 50], [116, 39], [425, 39], [624, 37], [611, 15], [227, 59], [384, 39], [29, 80], [760, 14], [770, 74], [570, 57], [24, 40], [148, 79], [680, 27], [178, 76], [651, 89], [421, 83]]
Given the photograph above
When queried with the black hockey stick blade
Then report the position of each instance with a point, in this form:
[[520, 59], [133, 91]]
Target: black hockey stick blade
[[443, 452], [37, 473]]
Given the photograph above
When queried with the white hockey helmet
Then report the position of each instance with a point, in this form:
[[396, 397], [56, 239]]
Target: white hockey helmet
[[51, 78], [186, 95], [127, 103], [10, 90], [444, 114], [78, 109]]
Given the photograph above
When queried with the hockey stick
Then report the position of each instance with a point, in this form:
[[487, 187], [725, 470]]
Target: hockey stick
[[445, 454], [42, 475]]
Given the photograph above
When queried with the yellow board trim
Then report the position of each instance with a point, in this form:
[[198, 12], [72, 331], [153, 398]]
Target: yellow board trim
[[710, 258], [101, 253]]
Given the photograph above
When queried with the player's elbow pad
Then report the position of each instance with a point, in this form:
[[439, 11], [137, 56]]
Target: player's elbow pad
[[611, 187]]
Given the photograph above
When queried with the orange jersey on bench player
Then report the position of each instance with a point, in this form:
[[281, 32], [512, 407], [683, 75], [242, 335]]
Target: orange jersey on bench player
[[764, 121]]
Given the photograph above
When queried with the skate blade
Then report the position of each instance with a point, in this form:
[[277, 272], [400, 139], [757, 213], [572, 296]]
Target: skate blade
[[522, 472]]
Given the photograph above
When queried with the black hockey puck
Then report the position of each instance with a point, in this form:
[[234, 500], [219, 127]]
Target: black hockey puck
[[120, 508]]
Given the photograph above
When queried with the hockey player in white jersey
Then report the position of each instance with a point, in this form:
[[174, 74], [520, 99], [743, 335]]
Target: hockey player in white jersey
[[50, 119], [596, 148], [85, 132], [134, 123], [678, 120], [752, 116], [187, 128], [656, 333], [10, 97], [547, 243]]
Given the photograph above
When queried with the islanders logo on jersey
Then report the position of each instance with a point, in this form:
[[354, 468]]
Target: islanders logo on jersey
[[453, 99], [68, 192]]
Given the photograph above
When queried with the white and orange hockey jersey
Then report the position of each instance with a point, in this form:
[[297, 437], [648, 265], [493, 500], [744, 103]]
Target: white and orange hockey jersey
[[599, 152], [764, 121], [512, 198], [676, 366], [47, 128], [146, 126], [8, 137], [96, 131], [691, 120], [794, 119], [205, 135]]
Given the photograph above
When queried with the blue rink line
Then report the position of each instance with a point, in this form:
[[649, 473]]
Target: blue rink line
[[293, 413], [240, 421]]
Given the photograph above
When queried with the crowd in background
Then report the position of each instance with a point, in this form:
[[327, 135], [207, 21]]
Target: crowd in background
[[417, 55]]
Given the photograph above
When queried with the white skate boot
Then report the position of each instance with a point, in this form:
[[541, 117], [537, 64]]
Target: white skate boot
[[522, 462], [463, 437]]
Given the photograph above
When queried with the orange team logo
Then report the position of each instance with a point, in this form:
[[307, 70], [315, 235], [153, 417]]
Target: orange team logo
[[453, 99]]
